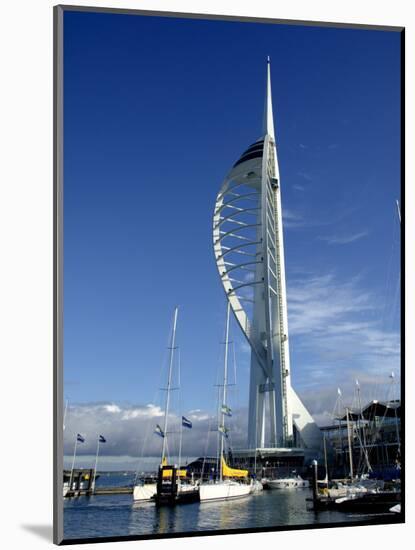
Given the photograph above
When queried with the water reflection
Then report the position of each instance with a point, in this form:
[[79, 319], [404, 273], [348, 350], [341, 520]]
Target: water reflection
[[118, 515]]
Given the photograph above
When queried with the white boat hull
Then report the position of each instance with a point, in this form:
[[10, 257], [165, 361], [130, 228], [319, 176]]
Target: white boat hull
[[352, 489], [143, 493], [288, 483], [225, 490]]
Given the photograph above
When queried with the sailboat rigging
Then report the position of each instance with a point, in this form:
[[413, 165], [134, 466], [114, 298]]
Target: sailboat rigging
[[169, 476], [232, 482]]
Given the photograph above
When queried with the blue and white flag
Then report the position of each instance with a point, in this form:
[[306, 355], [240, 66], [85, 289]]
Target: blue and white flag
[[227, 411], [102, 439], [80, 438], [223, 430], [186, 422], [159, 431]]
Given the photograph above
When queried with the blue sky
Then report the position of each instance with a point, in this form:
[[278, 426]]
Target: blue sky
[[156, 110]]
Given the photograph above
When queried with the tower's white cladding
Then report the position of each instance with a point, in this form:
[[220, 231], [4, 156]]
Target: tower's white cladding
[[249, 250]]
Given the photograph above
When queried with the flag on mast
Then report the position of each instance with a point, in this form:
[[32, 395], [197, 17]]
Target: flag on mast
[[158, 431], [223, 430], [186, 422], [102, 439], [227, 411], [80, 438]]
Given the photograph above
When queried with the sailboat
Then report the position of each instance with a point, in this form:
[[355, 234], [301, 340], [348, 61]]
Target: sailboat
[[172, 487], [353, 485], [359, 483], [232, 483], [146, 487], [169, 486]]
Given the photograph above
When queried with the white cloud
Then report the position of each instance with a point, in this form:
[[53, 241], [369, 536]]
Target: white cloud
[[292, 219], [149, 411], [305, 175], [112, 408], [315, 302], [129, 431], [344, 239], [199, 416], [337, 335]]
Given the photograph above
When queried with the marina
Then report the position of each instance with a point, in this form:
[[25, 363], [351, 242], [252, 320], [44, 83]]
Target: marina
[[354, 495], [118, 515]]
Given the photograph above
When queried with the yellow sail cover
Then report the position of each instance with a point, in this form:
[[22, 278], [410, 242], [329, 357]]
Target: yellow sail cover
[[232, 472]]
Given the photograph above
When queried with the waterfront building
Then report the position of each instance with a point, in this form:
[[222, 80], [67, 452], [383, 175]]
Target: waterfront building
[[374, 432]]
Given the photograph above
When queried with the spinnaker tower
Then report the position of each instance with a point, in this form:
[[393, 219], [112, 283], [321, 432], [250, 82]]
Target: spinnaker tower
[[249, 251]]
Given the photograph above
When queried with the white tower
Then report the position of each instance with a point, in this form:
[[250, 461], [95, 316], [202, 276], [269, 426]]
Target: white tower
[[249, 251]]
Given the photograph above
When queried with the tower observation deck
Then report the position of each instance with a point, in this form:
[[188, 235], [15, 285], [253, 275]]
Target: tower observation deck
[[249, 251]]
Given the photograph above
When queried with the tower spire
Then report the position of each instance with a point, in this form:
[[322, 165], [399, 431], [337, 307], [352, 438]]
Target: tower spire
[[272, 400], [268, 116]]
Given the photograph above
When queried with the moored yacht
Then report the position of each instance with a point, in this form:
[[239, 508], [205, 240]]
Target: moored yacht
[[145, 489], [232, 483], [294, 482], [170, 482]]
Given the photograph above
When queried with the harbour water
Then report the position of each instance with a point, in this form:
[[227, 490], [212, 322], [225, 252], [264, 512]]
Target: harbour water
[[117, 515]]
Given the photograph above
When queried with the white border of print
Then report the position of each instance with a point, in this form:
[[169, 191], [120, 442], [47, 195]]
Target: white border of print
[[26, 320]]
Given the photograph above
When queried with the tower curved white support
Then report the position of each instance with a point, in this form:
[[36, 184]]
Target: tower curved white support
[[249, 252]]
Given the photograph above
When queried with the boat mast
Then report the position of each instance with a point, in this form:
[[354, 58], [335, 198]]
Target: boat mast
[[350, 444], [362, 427], [181, 422], [398, 440], [225, 383], [166, 410], [256, 432], [325, 460], [338, 411], [393, 374], [64, 414]]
